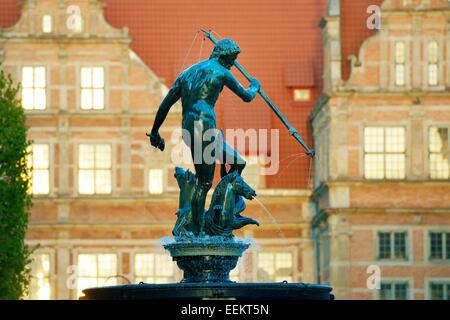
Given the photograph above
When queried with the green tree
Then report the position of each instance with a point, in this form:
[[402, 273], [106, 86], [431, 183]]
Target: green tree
[[15, 201]]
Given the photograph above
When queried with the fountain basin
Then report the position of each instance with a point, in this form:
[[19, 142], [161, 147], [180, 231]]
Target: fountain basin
[[206, 259], [199, 291]]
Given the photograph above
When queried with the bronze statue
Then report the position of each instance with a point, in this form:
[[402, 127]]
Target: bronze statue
[[199, 87]]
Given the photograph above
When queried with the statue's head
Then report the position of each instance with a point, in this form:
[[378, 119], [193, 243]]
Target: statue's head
[[241, 188], [226, 51]]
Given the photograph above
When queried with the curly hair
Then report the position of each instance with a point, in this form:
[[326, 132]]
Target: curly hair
[[225, 47]]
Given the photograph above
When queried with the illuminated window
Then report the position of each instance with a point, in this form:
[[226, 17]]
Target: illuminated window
[[252, 172], [440, 290], [302, 95], [92, 88], [392, 245], [96, 270], [39, 162], [155, 181], [440, 245], [384, 153], [234, 274], [439, 153], [47, 23], [40, 278], [433, 63], [275, 266], [94, 168], [394, 290], [400, 59], [153, 268], [33, 88]]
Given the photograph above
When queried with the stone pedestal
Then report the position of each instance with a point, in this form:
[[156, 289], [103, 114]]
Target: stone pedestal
[[206, 259]]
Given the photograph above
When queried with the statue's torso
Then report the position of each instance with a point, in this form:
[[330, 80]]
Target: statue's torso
[[201, 85]]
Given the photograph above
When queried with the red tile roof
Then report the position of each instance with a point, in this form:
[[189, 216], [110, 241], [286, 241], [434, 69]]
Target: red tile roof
[[354, 29], [299, 75], [272, 35]]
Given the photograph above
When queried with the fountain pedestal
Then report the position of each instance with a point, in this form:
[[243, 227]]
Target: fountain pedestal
[[206, 259]]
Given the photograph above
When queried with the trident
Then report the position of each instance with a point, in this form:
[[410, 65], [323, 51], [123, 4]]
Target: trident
[[272, 106]]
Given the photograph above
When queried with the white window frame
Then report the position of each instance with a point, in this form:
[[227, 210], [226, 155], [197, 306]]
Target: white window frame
[[92, 88], [429, 281], [34, 88], [50, 272], [434, 64], [433, 152], [400, 64], [394, 282], [149, 182], [384, 153], [111, 168], [446, 233], [31, 159], [47, 24], [274, 252], [136, 276], [96, 253], [408, 249]]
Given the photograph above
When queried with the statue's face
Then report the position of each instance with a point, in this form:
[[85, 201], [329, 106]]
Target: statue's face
[[228, 60]]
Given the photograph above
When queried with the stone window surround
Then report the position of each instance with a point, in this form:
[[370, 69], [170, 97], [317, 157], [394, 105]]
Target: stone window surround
[[52, 277], [398, 280], [76, 144], [427, 127], [383, 125], [76, 251], [429, 280], [427, 247], [408, 246], [20, 66]]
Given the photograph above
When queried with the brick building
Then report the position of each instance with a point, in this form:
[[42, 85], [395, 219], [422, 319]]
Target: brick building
[[382, 194], [103, 197], [94, 72]]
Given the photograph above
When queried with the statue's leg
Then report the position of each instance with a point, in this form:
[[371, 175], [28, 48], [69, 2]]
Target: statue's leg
[[233, 158], [204, 169], [205, 175]]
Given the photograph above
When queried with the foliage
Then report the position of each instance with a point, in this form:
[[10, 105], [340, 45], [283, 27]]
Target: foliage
[[15, 200]]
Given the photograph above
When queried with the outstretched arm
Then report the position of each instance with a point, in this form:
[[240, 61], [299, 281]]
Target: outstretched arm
[[169, 100], [172, 96], [245, 94]]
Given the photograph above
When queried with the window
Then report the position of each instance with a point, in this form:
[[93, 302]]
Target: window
[[439, 153], [155, 181], [399, 58], [39, 162], [153, 268], [92, 88], [275, 266], [440, 290], [40, 282], [384, 153], [439, 245], [47, 23], [94, 173], [392, 245], [433, 67], [394, 291], [252, 173], [302, 94], [234, 274], [33, 88], [96, 270]]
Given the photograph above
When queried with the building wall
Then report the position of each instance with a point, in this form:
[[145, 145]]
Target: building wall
[[129, 220], [350, 207]]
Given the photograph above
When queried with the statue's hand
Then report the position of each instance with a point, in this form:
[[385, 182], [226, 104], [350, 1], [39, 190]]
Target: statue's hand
[[156, 140], [255, 84]]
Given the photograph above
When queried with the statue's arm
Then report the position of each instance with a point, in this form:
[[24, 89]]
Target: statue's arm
[[169, 100], [245, 94]]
